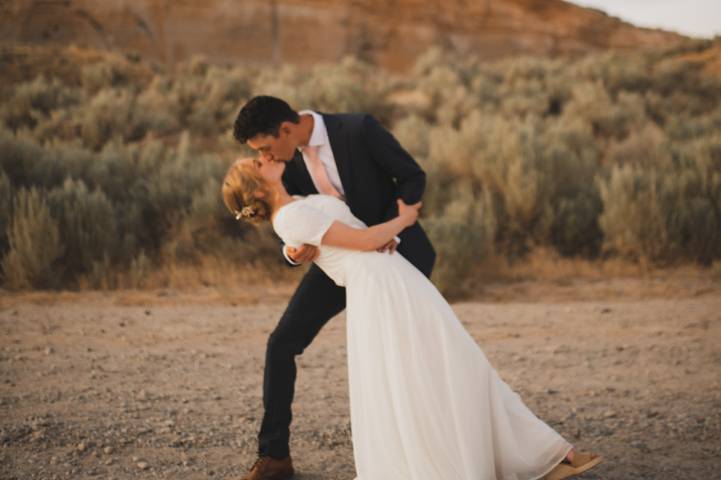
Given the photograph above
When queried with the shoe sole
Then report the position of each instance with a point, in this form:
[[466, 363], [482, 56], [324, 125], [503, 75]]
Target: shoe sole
[[588, 465], [568, 471], [282, 476]]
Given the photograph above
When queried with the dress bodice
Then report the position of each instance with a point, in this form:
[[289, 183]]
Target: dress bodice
[[306, 220]]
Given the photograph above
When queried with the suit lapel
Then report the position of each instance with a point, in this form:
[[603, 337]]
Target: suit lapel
[[339, 145]]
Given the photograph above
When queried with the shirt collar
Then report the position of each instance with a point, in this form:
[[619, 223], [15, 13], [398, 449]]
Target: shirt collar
[[319, 135]]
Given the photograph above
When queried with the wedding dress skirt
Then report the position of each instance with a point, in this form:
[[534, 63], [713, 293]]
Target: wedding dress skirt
[[425, 403]]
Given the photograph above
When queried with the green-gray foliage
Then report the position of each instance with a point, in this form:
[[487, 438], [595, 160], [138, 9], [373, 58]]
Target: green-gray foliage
[[6, 197], [613, 154], [87, 224], [462, 235], [35, 244]]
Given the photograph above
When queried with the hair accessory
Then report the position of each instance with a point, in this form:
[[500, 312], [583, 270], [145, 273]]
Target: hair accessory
[[246, 212]]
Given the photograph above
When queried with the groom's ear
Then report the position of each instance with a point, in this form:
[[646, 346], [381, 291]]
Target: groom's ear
[[285, 127], [259, 193]]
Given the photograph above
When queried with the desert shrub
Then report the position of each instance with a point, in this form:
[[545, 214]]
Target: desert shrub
[[445, 88], [450, 98], [616, 72], [219, 94], [108, 115], [667, 209], [96, 76], [59, 125], [349, 86], [86, 222], [34, 241], [612, 152], [28, 162], [634, 220], [575, 229], [530, 174], [412, 132], [699, 214], [646, 146], [31, 101], [140, 268], [462, 235], [205, 227], [572, 160], [510, 161], [684, 128], [6, 196], [157, 109], [104, 74], [101, 276], [532, 86], [197, 96], [609, 118], [17, 157]]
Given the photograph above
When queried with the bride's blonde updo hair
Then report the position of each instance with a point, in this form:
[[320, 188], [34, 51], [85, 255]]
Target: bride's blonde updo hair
[[239, 187]]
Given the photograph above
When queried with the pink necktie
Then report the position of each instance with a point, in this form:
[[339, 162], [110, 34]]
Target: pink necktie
[[318, 173]]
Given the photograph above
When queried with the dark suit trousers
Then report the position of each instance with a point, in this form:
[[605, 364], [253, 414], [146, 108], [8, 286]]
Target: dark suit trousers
[[316, 300]]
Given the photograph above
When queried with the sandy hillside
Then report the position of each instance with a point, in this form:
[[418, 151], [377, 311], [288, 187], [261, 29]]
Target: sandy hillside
[[126, 386]]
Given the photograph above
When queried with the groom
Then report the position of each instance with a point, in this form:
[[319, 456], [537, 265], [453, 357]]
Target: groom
[[352, 157]]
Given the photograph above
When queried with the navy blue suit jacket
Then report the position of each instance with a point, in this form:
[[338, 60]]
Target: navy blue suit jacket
[[375, 170]]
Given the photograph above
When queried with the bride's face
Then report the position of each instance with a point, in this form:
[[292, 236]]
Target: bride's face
[[271, 172]]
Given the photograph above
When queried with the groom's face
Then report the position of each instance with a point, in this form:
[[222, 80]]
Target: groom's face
[[275, 149]]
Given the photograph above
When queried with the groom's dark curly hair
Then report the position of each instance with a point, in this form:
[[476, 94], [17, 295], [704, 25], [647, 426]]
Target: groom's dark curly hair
[[262, 115]]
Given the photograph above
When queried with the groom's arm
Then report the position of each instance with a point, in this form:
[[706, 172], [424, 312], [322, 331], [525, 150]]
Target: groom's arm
[[392, 158]]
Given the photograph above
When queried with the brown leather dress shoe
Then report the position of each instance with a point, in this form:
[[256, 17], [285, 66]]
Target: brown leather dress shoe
[[269, 468]]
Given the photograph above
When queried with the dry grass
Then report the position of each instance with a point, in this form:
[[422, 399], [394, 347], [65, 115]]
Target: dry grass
[[546, 264], [541, 276], [245, 283]]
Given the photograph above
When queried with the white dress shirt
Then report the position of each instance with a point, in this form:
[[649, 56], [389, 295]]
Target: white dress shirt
[[319, 138]]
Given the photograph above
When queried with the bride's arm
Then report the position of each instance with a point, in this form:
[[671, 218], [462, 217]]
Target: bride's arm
[[372, 238]]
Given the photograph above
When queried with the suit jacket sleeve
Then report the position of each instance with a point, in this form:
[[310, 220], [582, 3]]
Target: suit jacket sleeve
[[392, 158]]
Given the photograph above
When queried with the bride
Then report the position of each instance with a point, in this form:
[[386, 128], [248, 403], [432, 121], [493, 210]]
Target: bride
[[425, 404]]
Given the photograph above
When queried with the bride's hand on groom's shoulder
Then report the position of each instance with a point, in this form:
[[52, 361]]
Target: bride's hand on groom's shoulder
[[409, 212]]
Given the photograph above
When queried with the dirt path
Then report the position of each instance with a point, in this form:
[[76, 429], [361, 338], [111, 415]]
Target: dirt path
[[91, 388]]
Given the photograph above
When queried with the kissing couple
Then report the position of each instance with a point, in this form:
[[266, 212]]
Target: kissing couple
[[425, 403]]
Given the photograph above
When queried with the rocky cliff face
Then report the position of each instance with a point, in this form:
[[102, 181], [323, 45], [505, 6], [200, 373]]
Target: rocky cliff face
[[391, 33]]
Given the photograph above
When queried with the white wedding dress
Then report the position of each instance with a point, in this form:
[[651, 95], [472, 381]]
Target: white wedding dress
[[425, 404]]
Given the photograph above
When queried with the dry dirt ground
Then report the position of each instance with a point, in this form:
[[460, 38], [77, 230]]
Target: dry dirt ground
[[168, 385]]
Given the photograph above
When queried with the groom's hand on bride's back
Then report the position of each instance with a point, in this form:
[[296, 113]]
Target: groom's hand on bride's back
[[303, 254]]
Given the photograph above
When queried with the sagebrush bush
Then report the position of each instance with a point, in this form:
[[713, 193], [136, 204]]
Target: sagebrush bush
[[109, 115], [6, 197], [613, 153], [699, 218], [412, 132], [33, 100], [462, 235], [87, 225], [35, 245], [572, 159], [636, 209]]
